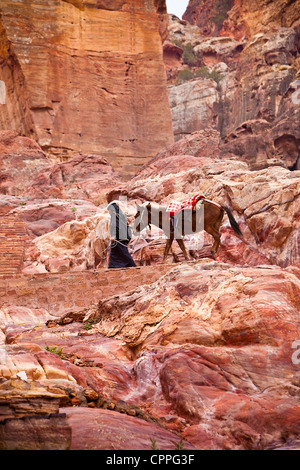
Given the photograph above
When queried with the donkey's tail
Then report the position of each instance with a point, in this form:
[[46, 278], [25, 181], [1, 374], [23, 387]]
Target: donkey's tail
[[233, 222]]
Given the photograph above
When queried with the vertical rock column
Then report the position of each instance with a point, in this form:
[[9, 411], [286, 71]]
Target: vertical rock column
[[82, 76]]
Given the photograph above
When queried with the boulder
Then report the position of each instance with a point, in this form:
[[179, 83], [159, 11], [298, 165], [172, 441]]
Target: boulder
[[130, 432]]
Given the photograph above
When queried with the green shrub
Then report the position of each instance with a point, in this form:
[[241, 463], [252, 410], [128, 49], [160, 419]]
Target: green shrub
[[188, 55], [178, 42], [184, 75], [203, 72], [89, 324], [222, 7], [216, 76], [153, 443], [54, 350]]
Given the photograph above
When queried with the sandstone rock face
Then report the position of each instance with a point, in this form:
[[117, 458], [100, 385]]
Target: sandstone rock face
[[21, 159], [86, 177], [263, 82], [26, 172], [239, 17], [208, 351], [69, 247], [193, 106], [187, 355], [125, 429], [13, 239], [246, 89], [44, 432], [264, 202], [84, 77], [29, 414]]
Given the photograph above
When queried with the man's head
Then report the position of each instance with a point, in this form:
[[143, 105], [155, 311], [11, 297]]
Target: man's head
[[112, 207]]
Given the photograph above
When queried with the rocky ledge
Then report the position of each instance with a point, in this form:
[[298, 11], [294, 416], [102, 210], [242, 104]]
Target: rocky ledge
[[205, 358]]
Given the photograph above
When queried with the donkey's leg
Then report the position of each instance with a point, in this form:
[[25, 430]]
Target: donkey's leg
[[216, 245], [182, 246], [175, 257], [216, 235], [167, 249], [213, 228]]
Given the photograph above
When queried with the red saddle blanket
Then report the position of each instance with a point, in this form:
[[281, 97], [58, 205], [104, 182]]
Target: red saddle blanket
[[176, 207]]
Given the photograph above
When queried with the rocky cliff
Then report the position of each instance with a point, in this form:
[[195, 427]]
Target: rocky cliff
[[82, 76], [198, 355], [241, 18], [203, 354], [243, 86]]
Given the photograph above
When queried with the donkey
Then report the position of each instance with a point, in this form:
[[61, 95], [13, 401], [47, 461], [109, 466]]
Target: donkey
[[207, 216]]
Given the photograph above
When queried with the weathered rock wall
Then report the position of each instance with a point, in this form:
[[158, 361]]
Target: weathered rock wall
[[247, 89], [59, 293], [84, 77], [209, 350], [193, 106], [240, 18]]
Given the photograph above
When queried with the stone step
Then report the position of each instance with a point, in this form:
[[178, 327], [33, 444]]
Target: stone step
[[12, 244]]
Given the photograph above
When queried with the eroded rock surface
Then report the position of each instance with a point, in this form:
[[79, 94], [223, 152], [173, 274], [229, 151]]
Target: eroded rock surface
[[207, 351], [84, 77], [239, 17], [191, 355], [245, 87]]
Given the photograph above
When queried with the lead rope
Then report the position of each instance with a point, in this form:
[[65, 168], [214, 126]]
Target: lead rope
[[108, 246]]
